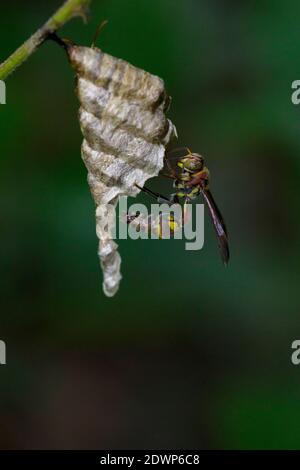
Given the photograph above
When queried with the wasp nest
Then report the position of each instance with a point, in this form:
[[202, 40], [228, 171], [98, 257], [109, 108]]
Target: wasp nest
[[125, 130]]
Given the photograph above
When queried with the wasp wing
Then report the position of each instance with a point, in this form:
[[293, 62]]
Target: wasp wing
[[219, 225]]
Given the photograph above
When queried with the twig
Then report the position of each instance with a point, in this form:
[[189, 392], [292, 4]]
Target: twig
[[66, 12]]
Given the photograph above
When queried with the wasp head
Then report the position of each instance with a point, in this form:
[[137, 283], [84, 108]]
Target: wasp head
[[192, 162]]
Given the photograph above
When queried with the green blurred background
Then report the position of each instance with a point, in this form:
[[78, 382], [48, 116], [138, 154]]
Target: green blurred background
[[188, 354]]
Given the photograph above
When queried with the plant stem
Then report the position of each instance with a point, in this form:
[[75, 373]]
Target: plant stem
[[66, 12]]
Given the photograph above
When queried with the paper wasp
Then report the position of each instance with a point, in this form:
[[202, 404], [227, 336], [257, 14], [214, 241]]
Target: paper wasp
[[191, 179]]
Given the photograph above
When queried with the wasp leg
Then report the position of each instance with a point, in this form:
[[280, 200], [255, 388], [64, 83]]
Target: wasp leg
[[186, 213], [159, 197], [174, 198]]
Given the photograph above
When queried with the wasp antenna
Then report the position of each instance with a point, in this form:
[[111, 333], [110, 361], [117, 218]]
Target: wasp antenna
[[176, 149], [98, 31]]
